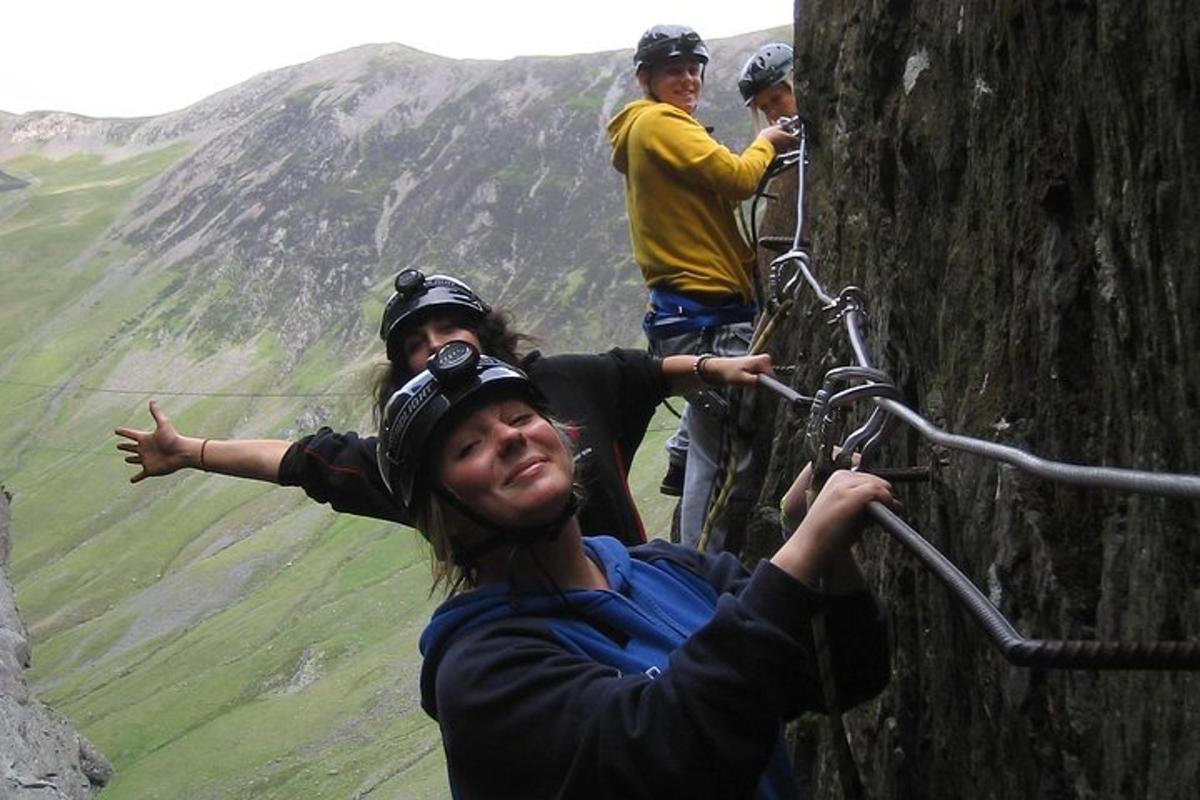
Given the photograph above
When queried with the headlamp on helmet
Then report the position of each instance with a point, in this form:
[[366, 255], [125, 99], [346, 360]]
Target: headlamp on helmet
[[418, 296], [456, 379]]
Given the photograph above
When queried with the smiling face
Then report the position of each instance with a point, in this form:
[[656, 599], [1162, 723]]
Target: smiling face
[[506, 462], [775, 102], [677, 82]]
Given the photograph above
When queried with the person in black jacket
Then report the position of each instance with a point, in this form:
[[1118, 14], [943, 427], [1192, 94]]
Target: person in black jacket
[[608, 398], [572, 666]]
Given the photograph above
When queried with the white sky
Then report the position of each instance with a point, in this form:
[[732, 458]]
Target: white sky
[[123, 58]]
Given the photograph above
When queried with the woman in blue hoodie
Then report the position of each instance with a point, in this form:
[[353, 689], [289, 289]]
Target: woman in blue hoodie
[[565, 666]]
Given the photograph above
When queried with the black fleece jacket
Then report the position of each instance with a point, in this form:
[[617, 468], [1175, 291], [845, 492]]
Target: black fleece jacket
[[608, 398]]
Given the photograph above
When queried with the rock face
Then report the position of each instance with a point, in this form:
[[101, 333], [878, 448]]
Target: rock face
[[41, 755], [1016, 189]]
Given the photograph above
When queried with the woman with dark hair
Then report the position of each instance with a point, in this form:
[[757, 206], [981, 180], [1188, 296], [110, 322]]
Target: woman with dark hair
[[609, 399], [571, 666]]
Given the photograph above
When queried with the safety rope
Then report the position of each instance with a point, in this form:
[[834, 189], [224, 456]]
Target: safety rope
[[732, 449]]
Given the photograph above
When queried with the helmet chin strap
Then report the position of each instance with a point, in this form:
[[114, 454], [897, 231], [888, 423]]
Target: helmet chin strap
[[466, 556], [523, 537]]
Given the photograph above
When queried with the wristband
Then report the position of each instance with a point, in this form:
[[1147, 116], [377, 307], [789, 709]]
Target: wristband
[[203, 445], [698, 369]]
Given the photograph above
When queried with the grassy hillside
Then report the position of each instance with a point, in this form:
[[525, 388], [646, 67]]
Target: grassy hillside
[[212, 637]]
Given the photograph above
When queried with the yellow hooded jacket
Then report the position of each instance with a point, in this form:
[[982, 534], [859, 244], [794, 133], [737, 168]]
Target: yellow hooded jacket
[[682, 188]]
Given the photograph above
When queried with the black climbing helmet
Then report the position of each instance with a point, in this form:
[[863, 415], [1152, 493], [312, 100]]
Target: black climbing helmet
[[663, 42], [456, 379], [417, 294], [770, 64]]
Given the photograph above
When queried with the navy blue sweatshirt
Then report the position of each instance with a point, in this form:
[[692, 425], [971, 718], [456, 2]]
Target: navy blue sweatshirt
[[675, 682], [609, 398]]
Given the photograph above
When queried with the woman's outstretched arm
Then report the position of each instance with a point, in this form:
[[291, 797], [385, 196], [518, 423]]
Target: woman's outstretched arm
[[164, 450]]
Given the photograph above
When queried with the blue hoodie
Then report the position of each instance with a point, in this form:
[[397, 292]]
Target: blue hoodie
[[675, 682]]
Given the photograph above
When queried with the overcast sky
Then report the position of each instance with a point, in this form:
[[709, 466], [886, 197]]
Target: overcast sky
[[124, 58]]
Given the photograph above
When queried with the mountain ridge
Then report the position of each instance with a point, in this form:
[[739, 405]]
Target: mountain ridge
[[232, 259]]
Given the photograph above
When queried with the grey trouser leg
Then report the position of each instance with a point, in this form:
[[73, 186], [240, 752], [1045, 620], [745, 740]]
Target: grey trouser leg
[[706, 433], [677, 444]]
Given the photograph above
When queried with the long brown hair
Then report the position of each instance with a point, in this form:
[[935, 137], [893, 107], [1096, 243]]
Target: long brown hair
[[497, 338]]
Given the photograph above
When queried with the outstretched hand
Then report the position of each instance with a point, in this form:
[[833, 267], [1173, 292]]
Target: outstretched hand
[[158, 452]]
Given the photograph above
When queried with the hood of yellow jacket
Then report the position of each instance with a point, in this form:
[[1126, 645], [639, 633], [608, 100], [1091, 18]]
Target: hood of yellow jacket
[[619, 128]]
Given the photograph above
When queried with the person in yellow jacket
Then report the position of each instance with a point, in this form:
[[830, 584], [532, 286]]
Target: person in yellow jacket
[[682, 188]]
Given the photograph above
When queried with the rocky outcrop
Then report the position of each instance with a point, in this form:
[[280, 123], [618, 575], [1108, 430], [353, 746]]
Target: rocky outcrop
[[1016, 189], [9, 183], [41, 755]]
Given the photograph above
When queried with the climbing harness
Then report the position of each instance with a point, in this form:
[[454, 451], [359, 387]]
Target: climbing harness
[[674, 314]]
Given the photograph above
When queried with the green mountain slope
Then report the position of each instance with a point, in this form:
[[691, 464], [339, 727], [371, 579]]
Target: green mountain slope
[[224, 638]]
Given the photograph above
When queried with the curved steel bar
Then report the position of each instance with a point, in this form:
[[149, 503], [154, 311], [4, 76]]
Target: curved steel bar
[[1061, 654], [855, 372], [851, 321], [868, 451], [875, 391], [1130, 480], [801, 162], [802, 259], [867, 431], [797, 400], [873, 429]]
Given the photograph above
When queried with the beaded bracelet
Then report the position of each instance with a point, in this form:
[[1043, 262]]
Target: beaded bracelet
[[698, 368]]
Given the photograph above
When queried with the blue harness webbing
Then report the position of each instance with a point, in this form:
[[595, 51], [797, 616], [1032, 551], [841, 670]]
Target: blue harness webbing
[[672, 314]]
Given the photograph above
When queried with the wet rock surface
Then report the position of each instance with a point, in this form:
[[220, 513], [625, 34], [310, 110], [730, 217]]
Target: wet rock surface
[[1015, 191]]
